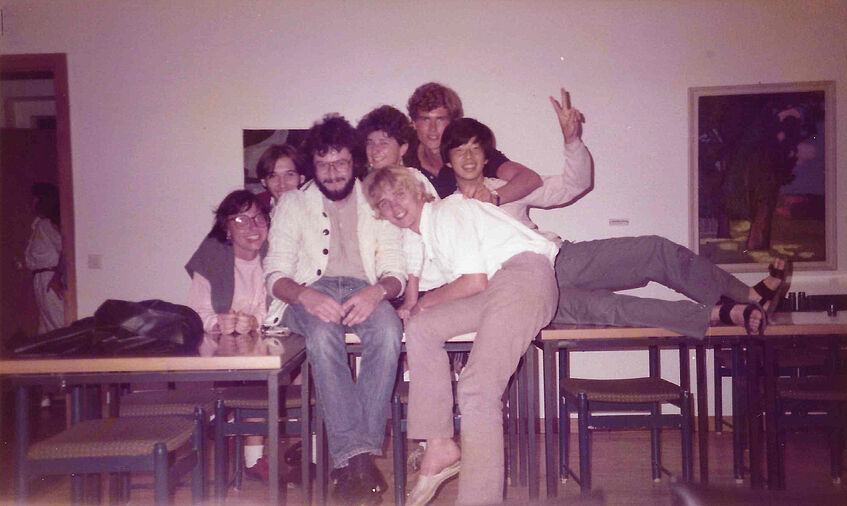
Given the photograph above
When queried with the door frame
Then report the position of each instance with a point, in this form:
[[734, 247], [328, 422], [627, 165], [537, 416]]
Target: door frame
[[57, 64]]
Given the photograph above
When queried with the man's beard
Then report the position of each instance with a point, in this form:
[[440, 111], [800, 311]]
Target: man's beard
[[336, 195]]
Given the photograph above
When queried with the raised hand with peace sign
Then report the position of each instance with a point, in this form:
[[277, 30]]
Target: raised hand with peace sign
[[569, 118]]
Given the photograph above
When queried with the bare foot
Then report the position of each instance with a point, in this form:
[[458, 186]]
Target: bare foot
[[440, 453]]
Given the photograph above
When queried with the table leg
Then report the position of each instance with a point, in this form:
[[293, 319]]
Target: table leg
[[77, 411], [531, 364], [513, 432], [306, 432], [547, 359], [523, 418], [754, 414], [739, 413], [769, 367], [273, 436], [21, 443], [702, 412]]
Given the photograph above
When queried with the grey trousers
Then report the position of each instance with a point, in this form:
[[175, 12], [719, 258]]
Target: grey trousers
[[590, 272], [520, 299]]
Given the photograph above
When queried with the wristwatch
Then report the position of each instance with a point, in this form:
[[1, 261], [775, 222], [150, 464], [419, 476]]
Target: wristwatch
[[496, 197], [384, 291]]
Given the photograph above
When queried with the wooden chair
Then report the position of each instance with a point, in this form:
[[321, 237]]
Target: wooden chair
[[794, 361], [813, 401], [698, 494], [632, 394], [122, 445], [252, 402], [167, 403]]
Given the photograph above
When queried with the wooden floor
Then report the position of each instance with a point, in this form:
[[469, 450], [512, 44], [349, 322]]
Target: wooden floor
[[621, 472]]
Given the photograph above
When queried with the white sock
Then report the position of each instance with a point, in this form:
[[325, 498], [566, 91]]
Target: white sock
[[252, 453]]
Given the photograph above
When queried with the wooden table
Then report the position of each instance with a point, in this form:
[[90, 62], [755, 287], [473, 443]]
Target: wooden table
[[783, 325], [230, 358]]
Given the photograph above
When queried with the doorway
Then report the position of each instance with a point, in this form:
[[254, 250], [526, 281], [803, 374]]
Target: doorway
[[37, 151]]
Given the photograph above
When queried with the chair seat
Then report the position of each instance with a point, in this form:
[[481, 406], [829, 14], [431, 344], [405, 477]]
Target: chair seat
[[622, 390], [167, 402], [813, 388], [787, 358], [115, 437], [257, 397]]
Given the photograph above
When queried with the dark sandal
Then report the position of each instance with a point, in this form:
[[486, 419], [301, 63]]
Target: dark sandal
[[771, 295], [724, 316]]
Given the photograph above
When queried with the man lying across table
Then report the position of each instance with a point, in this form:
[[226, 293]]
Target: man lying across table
[[590, 272]]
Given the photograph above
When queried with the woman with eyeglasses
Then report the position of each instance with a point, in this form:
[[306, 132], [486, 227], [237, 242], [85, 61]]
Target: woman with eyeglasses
[[227, 282]]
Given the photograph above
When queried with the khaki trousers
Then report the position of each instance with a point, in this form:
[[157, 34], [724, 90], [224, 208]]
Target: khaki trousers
[[520, 300]]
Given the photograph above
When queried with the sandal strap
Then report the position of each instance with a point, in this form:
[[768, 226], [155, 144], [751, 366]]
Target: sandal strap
[[723, 314], [764, 292], [777, 273]]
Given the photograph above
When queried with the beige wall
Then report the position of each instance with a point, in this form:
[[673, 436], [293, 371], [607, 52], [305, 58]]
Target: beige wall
[[161, 90]]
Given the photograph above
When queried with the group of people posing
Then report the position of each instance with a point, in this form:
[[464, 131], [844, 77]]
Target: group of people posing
[[425, 212]]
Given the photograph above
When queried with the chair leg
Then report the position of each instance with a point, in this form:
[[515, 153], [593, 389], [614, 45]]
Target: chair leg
[[114, 488], [397, 437], [523, 425], [564, 437], [780, 445], [238, 450], [738, 416], [220, 452], [655, 443], [687, 446], [125, 487], [584, 445], [512, 427], [77, 488], [198, 486], [836, 442], [92, 488], [718, 388], [160, 473], [321, 473], [21, 443]]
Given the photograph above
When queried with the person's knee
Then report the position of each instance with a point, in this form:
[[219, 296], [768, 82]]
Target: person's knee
[[385, 329], [476, 398], [324, 340]]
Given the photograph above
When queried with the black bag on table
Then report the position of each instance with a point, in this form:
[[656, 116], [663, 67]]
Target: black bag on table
[[121, 328]]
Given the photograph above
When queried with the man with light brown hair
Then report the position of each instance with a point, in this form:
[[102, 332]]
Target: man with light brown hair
[[431, 108]]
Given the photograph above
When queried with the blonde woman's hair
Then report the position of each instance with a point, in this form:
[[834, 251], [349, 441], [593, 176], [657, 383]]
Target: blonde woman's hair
[[390, 179]]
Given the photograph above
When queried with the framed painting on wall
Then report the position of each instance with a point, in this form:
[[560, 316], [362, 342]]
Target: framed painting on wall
[[762, 174]]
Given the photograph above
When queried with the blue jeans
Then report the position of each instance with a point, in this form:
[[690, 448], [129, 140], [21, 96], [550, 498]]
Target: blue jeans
[[355, 412]]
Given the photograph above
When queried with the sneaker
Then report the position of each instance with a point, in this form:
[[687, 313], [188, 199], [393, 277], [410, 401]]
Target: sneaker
[[348, 490], [293, 455], [260, 471], [363, 467]]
